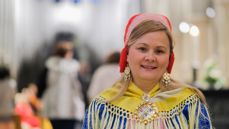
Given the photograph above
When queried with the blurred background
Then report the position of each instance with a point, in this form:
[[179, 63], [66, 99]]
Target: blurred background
[[29, 30]]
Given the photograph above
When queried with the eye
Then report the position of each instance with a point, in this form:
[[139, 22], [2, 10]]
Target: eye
[[159, 51], [142, 49]]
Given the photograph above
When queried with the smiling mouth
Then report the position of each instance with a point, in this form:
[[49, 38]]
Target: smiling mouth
[[148, 67]]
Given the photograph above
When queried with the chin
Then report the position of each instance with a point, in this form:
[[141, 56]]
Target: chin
[[149, 77]]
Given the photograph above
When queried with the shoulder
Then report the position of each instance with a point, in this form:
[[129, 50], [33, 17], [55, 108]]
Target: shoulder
[[111, 92], [51, 60], [97, 105], [108, 69], [59, 64], [178, 97], [8, 84], [192, 90], [177, 86]]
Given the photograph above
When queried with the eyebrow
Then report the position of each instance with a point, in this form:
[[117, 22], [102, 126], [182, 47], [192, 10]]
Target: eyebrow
[[142, 44], [148, 45], [163, 47]]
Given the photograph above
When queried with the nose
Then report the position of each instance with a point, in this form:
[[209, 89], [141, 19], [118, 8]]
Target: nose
[[150, 57]]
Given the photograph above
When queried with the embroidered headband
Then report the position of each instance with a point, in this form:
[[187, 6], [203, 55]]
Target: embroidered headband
[[132, 23]]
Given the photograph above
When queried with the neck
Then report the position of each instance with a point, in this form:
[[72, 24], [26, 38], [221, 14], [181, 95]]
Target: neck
[[145, 85]]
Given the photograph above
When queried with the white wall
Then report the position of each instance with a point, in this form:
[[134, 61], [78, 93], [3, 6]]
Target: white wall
[[7, 44], [27, 25]]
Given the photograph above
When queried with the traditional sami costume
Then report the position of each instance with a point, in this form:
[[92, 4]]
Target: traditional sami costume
[[180, 108]]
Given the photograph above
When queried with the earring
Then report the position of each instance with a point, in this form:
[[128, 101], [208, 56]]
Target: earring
[[127, 75], [166, 79]]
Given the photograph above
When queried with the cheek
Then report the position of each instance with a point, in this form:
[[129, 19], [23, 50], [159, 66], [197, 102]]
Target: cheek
[[165, 61], [129, 56], [133, 57]]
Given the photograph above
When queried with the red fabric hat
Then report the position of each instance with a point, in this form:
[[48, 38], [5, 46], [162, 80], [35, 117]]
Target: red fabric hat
[[132, 23]]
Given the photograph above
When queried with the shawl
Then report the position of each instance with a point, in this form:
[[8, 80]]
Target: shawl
[[180, 108]]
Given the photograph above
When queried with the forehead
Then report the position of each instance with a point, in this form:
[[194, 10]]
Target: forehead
[[153, 38]]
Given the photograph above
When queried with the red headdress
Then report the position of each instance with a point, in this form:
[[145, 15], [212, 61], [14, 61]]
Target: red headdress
[[132, 23]]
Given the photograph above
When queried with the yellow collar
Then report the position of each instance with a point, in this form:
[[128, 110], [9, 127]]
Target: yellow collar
[[135, 91], [132, 98]]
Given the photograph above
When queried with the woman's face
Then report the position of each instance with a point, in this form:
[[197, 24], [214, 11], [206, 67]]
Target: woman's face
[[148, 56]]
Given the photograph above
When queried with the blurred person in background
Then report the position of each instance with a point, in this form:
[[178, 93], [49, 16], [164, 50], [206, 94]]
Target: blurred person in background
[[105, 75], [27, 107], [146, 97], [62, 99], [28, 118], [7, 93], [34, 101]]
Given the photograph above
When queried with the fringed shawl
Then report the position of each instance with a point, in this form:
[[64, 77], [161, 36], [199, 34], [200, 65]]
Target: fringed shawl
[[180, 109]]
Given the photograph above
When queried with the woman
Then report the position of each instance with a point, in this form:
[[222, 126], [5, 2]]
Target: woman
[[146, 97], [63, 100], [7, 92]]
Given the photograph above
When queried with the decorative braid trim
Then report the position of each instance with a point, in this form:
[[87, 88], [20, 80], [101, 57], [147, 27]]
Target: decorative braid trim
[[112, 109], [178, 108], [118, 111]]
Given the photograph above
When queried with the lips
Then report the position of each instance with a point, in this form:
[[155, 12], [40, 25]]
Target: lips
[[148, 67]]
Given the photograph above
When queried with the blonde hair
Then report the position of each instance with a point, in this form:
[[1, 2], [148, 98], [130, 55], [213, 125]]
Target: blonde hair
[[140, 30]]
